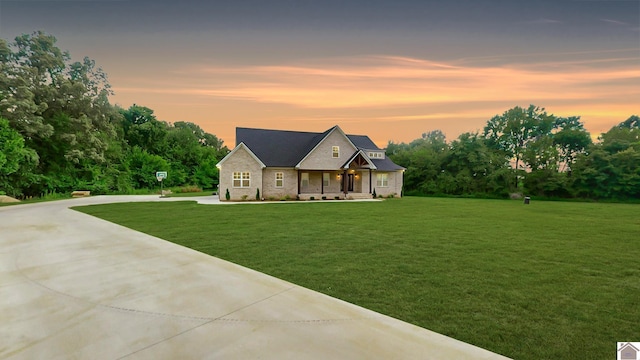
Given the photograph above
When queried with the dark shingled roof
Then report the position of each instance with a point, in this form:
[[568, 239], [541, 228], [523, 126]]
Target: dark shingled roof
[[281, 148]]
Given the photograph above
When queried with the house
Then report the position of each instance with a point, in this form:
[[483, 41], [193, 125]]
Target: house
[[628, 352], [292, 164]]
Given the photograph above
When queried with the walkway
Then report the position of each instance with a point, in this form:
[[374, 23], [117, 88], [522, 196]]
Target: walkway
[[76, 287]]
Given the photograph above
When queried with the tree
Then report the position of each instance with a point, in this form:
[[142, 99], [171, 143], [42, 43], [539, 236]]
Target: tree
[[15, 158], [512, 131], [13, 153], [611, 168], [570, 139]]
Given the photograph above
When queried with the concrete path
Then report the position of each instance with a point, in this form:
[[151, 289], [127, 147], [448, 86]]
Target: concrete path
[[76, 287]]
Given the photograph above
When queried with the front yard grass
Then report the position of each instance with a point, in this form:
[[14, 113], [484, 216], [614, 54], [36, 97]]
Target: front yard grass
[[539, 281]]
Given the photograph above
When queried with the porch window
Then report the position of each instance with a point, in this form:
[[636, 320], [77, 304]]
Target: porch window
[[241, 179], [336, 151], [325, 179], [382, 180], [304, 179], [279, 179]]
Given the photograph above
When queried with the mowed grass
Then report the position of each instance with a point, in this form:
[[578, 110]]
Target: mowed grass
[[539, 281]]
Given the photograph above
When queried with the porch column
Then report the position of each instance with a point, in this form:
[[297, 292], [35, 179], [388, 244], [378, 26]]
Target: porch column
[[299, 182], [370, 182], [345, 183]]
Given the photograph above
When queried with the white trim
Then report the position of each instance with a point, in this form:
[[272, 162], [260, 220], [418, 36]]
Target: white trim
[[321, 141], [242, 179], [241, 145], [372, 166], [382, 183], [328, 179]]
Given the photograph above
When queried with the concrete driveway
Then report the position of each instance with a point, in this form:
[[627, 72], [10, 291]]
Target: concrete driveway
[[76, 287]]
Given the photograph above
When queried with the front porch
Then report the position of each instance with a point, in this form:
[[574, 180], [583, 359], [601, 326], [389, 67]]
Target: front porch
[[341, 184]]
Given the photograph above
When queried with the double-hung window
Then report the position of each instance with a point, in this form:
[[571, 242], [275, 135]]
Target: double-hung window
[[325, 179], [382, 180], [279, 179], [335, 150], [241, 179]]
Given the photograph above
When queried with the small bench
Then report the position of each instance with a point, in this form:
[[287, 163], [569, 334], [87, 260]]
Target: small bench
[[80, 193]]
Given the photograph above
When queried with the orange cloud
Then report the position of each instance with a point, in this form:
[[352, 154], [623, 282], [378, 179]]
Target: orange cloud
[[392, 81], [423, 95]]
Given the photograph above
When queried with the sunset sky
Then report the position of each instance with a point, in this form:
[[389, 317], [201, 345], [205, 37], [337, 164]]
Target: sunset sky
[[388, 69]]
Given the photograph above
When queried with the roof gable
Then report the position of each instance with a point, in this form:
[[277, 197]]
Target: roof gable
[[236, 149], [325, 135], [364, 156]]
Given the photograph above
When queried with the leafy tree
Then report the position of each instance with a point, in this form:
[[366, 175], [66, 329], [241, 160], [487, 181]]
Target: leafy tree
[[516, 128], [143, 167], [611, 168], [16, 160], [570, 138], [475, 167]]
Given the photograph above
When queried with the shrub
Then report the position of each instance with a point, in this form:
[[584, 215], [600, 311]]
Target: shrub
[[244, 197], [257, 194], [324, 198], [227, 195], [374, 193], [337, 197], [186, 189], [313, 197]]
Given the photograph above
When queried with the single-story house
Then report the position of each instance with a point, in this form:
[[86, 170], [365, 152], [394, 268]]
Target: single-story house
[[293, 164]]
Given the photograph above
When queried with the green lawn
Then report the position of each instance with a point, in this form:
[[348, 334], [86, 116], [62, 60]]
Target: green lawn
[[538, 281]]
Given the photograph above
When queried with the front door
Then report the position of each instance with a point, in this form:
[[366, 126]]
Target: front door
[[350, 182]]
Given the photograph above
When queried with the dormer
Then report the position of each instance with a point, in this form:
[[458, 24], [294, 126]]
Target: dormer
[[375, 154]]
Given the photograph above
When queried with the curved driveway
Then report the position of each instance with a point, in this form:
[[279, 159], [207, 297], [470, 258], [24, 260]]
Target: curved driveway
[[76, 287]]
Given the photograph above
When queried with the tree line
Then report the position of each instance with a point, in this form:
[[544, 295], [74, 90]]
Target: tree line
[[59, 133], [529, 152]]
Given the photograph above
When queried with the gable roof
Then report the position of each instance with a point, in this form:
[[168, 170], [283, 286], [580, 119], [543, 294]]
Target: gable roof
[[284, 148], [624, 346], [240, 146], [323, 137], [364, 156]]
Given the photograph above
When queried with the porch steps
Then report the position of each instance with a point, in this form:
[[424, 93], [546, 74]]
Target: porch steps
[[358, 196]]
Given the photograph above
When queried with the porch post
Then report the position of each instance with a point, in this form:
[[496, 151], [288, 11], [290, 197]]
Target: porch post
[[345, 183], [299, 182], [322, 183], [370, 182]]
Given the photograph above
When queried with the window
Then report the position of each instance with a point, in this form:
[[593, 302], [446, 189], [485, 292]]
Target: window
[[376, 155], [382, 180], [304, 179], [279, 179], [325, 179], [336, 151], [241, 179]]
